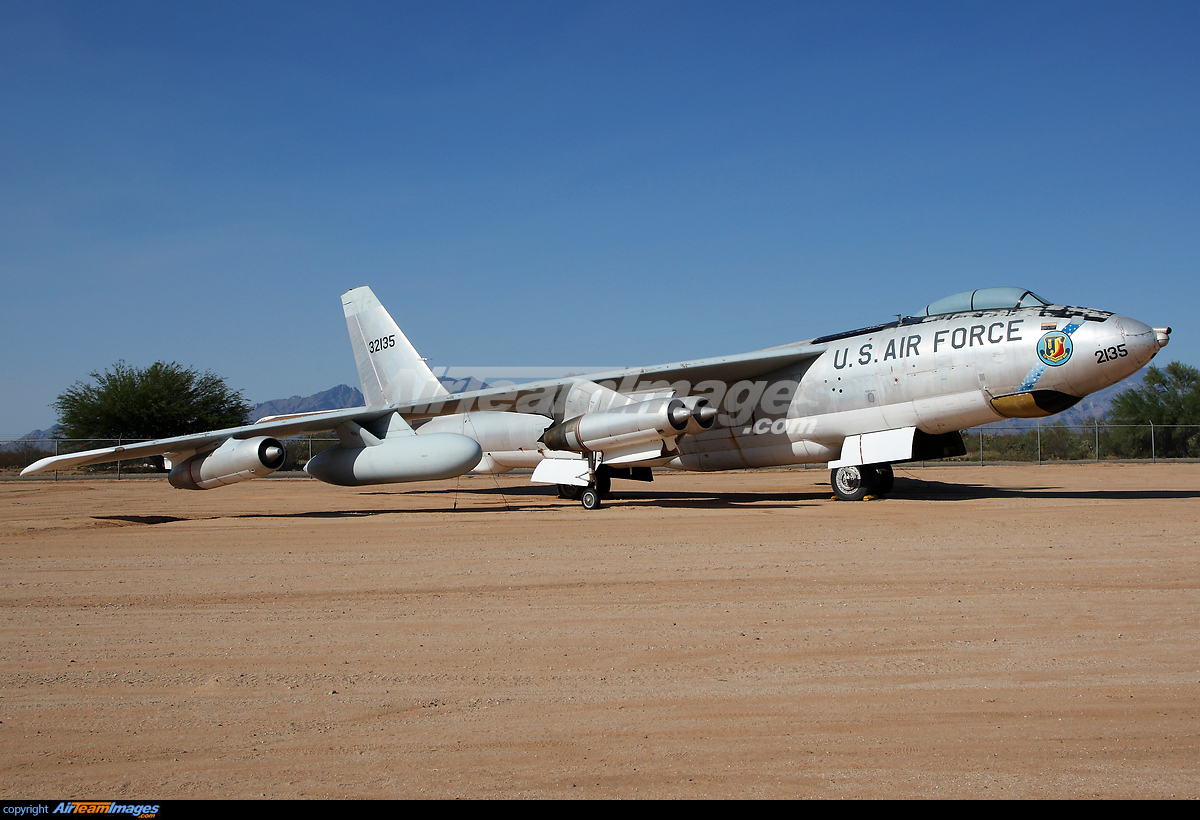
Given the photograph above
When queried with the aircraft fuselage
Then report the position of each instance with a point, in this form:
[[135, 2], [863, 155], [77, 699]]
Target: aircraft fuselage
[[935, 373]]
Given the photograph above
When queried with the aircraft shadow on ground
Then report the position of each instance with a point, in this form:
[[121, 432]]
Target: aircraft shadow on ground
[[141, 519], [650, 498], [905, 488], [920, 489], [517, 499]]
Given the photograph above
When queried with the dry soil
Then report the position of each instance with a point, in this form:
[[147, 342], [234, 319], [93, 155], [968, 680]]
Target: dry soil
[[985, 632]]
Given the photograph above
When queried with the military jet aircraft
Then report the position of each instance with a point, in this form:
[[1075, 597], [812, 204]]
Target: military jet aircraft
[[862, 401]]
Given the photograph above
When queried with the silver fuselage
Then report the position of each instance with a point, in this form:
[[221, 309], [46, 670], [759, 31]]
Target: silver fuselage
[[937, 373]]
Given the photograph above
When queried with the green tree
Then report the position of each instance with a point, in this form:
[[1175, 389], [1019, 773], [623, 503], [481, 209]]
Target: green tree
[[159, 401], [1169, 398]]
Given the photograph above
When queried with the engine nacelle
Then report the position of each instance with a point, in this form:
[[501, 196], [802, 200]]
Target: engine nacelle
[[394, 460], [623, 427], [235, 460]]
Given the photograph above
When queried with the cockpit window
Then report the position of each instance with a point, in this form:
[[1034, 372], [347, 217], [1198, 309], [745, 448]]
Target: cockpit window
[[1031, 299], [985, 299]]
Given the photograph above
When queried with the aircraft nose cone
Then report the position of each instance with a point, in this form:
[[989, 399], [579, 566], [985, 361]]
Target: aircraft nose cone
[[1107, 352], [1132, 327], [1141, 341]]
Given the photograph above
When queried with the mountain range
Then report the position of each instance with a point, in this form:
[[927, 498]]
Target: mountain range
[[335, 398]]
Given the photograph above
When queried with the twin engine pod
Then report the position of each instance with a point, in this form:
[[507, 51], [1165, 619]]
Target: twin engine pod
[[623, 427], [235, 460], [406, 458]]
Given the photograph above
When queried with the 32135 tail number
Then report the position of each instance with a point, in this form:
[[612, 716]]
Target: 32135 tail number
[[376, 345]]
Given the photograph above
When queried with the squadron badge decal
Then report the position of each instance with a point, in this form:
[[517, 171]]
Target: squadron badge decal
[[1054, 348]]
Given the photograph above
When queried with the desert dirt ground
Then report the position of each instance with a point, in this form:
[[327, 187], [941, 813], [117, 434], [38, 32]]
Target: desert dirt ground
[[985, 632]]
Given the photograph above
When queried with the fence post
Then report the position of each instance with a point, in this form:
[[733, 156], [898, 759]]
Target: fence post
[[1039, 429], [1153, 458], [1097, 421], [118, 460]]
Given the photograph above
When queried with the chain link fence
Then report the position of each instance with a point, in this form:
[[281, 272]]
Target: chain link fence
[[1058, 442], [991, 444]]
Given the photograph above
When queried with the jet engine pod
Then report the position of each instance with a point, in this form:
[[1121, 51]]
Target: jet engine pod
[[620, 427], [235, 460], [394, 460]]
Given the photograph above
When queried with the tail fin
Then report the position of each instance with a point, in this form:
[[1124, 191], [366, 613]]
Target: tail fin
[[388, 366]]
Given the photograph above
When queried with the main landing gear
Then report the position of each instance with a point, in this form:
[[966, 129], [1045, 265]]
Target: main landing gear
[[856, 483]]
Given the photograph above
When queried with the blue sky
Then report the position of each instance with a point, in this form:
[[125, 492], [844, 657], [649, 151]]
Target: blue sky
[[544, 184]]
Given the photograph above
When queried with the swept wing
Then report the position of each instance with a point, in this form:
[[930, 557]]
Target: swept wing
[[280, 427]]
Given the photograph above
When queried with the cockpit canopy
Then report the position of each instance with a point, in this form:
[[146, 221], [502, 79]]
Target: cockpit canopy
[[985, 299]]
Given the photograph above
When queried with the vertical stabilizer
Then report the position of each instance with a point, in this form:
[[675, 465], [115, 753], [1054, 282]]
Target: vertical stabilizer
[[388, 366]]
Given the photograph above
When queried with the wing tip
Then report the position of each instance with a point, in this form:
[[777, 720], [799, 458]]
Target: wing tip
[[38, 466]]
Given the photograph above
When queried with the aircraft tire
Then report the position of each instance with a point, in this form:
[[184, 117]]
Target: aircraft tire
[[569, 491], [590, 498], [853, 483], [887, 479]]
